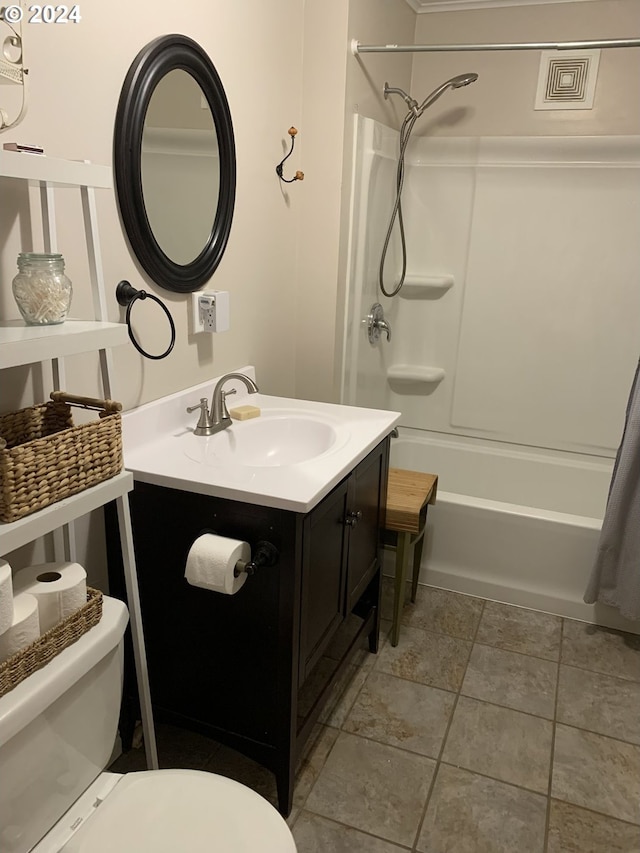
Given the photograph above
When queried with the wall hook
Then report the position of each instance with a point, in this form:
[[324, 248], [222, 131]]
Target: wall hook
[[299, 176]]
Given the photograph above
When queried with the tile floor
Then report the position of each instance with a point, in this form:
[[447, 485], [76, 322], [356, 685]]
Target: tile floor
[[488, 729]]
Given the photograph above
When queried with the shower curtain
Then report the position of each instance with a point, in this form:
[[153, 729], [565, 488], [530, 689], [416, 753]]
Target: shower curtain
[[615, 578]]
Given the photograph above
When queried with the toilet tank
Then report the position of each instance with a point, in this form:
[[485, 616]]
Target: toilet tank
[[57, 731]]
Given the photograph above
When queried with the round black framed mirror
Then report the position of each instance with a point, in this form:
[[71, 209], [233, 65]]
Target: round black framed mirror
[[175, 163]]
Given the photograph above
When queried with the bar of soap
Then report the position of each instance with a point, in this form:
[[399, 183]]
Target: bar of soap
[[243, 413]]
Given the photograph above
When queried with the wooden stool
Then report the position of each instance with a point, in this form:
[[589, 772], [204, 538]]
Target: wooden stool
[[409, 494]]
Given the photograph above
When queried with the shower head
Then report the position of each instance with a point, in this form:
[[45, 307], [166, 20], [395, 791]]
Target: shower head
[[463, 80], [453, 83], [417, 110]]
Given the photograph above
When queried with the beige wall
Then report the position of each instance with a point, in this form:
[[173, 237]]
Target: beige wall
[[501, 102], [76, 76], [336, 86], [379, 22], [282, 261], [290, 65], [320, 158]]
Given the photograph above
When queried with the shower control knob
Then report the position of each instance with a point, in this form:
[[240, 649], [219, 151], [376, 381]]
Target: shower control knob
[[376, 324]]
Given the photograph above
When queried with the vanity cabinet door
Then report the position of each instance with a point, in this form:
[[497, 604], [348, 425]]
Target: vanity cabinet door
[[323, 576], [365, 508]]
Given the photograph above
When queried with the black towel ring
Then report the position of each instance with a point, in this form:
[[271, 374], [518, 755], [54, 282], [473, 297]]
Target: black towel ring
[[299, 176], [126, 294]]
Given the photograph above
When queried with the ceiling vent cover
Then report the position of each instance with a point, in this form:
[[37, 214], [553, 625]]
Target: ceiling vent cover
[[567, 79]]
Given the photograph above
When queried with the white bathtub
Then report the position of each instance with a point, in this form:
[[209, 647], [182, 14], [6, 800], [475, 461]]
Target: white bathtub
[[517, 526]]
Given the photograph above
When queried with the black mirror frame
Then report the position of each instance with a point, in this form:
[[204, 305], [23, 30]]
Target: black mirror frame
[[160, 56]]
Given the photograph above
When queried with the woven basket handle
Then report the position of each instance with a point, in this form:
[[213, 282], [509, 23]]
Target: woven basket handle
[[107, 406]]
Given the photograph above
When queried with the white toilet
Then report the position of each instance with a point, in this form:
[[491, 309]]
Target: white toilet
[[57, 731]]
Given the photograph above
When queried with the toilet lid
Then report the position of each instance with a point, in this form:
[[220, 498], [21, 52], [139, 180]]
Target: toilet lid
[[164, 811]]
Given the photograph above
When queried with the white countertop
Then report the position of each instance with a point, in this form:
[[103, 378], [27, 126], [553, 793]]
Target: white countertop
[[160, 448]]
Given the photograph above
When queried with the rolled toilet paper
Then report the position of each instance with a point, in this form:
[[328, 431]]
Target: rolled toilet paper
[[6, 597], [25, 628], [211, 562], [60, 589]]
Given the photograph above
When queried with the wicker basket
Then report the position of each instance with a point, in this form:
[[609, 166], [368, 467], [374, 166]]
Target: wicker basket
[[47, 458], [39, 653]]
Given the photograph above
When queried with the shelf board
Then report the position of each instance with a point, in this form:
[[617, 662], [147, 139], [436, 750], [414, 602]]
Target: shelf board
[[21, 344], [53, 170], [415, 373], [18, 533], [426, 286]]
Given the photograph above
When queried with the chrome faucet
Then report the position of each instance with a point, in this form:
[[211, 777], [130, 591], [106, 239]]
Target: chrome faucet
[[211, 422]]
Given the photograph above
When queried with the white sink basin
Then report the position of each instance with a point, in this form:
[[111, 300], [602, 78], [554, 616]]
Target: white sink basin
[[277, 438], [290, 457]]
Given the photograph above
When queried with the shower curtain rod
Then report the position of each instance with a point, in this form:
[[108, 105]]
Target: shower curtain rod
[[357, 48]]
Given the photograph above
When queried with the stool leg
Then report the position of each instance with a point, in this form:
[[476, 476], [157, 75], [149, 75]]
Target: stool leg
[[402, 555], [417, 558]]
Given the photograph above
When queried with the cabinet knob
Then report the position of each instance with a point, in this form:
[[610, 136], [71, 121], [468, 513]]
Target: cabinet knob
[[353, 518]]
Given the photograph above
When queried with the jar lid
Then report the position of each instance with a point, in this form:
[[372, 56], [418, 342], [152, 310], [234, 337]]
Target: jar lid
[[39, 256]]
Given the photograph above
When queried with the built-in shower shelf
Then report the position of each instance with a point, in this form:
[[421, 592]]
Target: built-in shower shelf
[[415, 373], [426, 286]]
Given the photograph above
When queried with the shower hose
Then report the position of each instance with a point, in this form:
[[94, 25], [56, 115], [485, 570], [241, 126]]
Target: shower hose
[[405, 133]]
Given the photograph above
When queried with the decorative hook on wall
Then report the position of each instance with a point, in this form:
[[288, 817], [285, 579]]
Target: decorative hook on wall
[[299, 176]]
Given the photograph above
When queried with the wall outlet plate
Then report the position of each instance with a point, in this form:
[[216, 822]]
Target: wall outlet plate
[[210, 311], [197, 321]]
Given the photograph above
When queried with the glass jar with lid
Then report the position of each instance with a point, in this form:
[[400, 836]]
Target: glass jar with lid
[[41, 289]]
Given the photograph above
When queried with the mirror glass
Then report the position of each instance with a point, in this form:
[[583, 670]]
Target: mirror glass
[[180, 167], [174, 163]]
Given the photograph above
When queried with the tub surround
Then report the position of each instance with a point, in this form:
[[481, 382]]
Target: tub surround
[[508, 384]]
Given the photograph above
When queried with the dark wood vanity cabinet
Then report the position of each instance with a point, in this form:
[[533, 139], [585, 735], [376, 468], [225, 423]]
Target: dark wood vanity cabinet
[[254, 670], [340, 556], [323, 576]]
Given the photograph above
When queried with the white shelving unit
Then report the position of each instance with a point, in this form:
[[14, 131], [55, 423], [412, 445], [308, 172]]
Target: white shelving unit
[[18, 533], [38, 169], [20, 344]]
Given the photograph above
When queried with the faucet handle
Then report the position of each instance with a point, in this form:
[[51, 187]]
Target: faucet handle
[[223, 401], [204, 421], [203, 405], [376, 324]]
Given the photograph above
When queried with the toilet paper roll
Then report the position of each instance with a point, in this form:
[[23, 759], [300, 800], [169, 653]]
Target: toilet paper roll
[[211, 562], [60, 589], [6, 596], [25, 628]]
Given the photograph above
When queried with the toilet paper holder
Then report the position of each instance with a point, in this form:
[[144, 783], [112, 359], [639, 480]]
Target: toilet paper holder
[[265, 556]]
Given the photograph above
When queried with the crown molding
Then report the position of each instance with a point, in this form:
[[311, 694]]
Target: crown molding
[[426, 6]]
